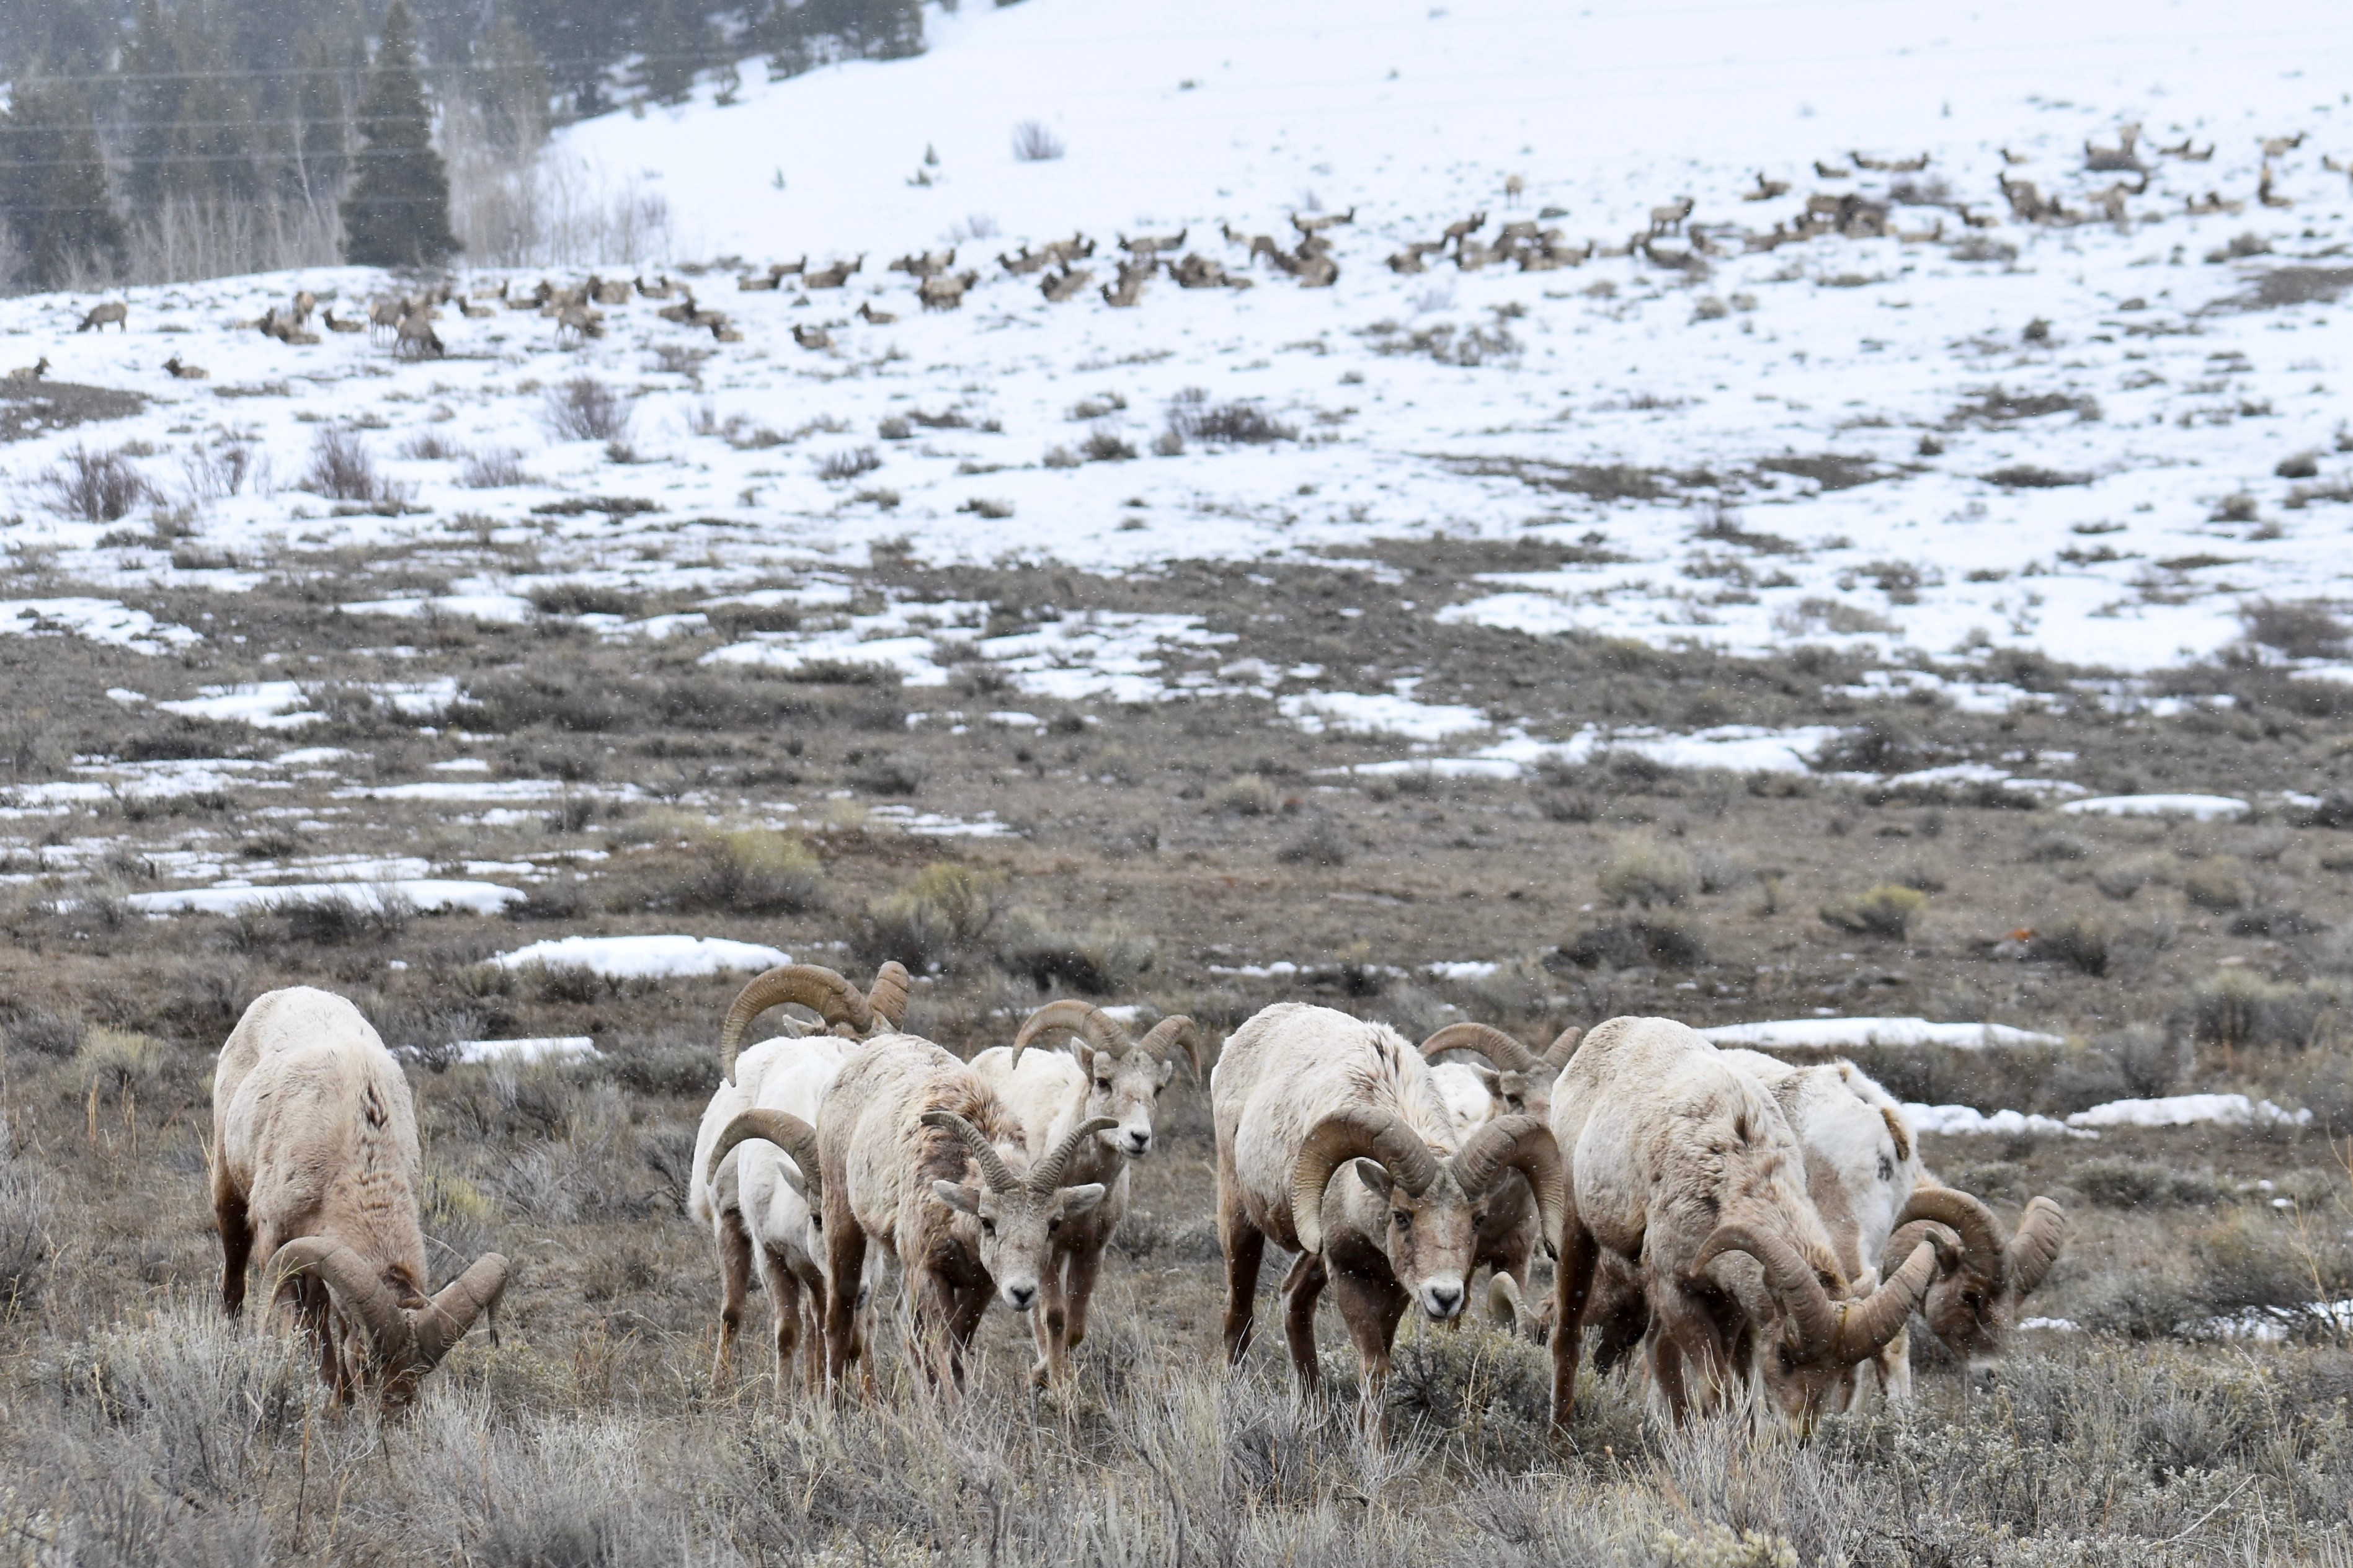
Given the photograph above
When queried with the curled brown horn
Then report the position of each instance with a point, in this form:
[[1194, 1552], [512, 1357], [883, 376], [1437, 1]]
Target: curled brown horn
[[888, 999], [1563, 1046], [781, 1128], [1812, 1317], [1503, 1302], [2034, 1244], [359, 1292], [1908, 1236], [993, 1168], [1174, 1031], [1047, 1174], [441, 1322], [1865, 1326], [1519, 1143], [833, 999], [1084, 1019], [1488, 1041], [1980, 1233], [1336, 1140]]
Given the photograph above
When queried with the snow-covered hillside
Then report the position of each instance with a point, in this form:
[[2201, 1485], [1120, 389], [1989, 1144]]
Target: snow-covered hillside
[[2099, 438]]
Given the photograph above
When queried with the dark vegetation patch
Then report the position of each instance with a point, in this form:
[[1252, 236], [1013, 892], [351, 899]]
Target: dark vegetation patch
[[42, 407], [2301, 285], [1830, 470], [1999, 405]]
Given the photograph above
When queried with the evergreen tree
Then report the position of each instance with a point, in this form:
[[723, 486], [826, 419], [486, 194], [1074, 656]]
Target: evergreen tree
[[53, 188], [397, 214]]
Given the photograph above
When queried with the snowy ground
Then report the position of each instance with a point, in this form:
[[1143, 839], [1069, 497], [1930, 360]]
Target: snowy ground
[[1847, 441]]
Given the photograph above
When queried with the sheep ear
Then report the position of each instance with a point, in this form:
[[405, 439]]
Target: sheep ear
[[962, 1199], [1375, 1175], [1492, 1079], [1168, 1071], [1079, 1200]]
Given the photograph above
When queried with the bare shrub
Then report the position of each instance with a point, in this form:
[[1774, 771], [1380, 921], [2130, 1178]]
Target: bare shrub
[[752, 871], [95, 487], [2218, 883], [1642, 871], [1103, 444], [2238, 1008], [586, 409], [837, 468], [227, 469], [1034, 144], [496, 469], [2300, 630], [1886, 911], [341, 470], [26, 1211], [1193, 417], [1666, 939], [2080, 942], [937, 920], [1246, 794], [1102, 961]]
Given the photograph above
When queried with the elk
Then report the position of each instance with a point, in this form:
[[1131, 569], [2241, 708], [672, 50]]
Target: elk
[[24, 375], [2186, 151], [2122, 159], [1026, 262], [1514, 186], [923, 266], [875, 318], [1455, 232], [579, 324], [660, 290], [1830, 171], [417, 338], [1107, 1077], [1331, 1139], [814, 338], [1890, 165], [1197, 271], [1318, 223], [684, 311], [383, 316], [944, 293], [1147, 248], [315, 1159], [1133, 276], [1078, 247], [1668, 219], [833, 277], [112, 313], [1685, 1176], [2266, 196], [180, 372], [1065, 285], [1766, 189], [2281, 146]]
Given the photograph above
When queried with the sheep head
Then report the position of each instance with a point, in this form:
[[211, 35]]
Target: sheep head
[[392, 1333], [1973, 1301], [1425, 1224], [820, 990], [1124, 1077], [1011, 1220], [1816, 1328], [1523, 1079]]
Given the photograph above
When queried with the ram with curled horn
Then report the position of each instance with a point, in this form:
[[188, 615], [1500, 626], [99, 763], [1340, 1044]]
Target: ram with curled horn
[[1106, 1075], [1973, 1303], [919, 1161], [824, 992], [315, 1160], [1687, 1203], [1332, 1141], [1518, 1082]]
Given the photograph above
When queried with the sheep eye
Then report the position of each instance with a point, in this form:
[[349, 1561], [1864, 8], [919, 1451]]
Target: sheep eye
[[1401, 1218], [989, 1227], [1053, 1224], [817, 1222], [1104, 1084]]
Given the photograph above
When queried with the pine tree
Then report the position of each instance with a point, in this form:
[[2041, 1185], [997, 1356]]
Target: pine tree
[[397, 214], [53, 188]]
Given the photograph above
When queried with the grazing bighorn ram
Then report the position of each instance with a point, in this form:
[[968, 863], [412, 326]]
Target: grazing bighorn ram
[[1519, 1083], [1331, 1139], [315, 1158], [1107, 1078], [918, 1156], [1683, 1172], [755, 1152], [1973, 1301]]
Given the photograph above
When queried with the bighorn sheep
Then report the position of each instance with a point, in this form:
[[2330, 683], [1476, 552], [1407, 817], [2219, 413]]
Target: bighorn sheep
[[1108, 1079], [755, 1173], [1973, 1303], [1683, 1174], [1332, 1138], [833, 277], [315, 1158], [1519, 1083], [918, 1156], [1668, 219], [113, 312]]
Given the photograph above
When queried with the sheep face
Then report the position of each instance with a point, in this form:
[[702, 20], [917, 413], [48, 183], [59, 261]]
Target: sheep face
[[1428, 1239], [1970, 1313], [1125, 1088], [1013, 1233]]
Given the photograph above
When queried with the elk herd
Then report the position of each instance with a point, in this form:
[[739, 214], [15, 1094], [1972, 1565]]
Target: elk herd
[[1726, 1226]]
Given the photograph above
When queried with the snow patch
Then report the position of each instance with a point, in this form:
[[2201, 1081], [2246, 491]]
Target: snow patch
[[2195, 808], [644, 957], [1852, 1034]]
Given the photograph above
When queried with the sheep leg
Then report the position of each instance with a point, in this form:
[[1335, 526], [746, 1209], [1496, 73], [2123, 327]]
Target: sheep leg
[[1301, 1291], [1245, 1246], [1049, 1323], [966, 1305], [1372, 1309], [784, 1305], [845, 1263], [812, 1306], [237, 1246], [735, 1284], [1572, 1284], [1085, 1264]]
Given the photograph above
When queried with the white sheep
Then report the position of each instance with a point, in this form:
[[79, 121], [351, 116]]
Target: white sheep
[[1106, 1075], [756, 1140], [1685, 1174], [315, 1158], [1333, 1139]]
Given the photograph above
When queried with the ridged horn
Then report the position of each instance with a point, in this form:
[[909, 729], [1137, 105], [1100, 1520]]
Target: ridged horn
[[1170, 1034], [1336, 1140], [441, 1322], [1488, 1041], [1519, 1143], [1046, 1175], [1792, 1283], [781, 1128], [1503, 1302], [888, 999], [833, 998], [1563, 1046], [1910, 1234], [357, 1290], [1980, 1233], [2034, 1244], [1084, 1019], [993, 1168], [1865, 1326]]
